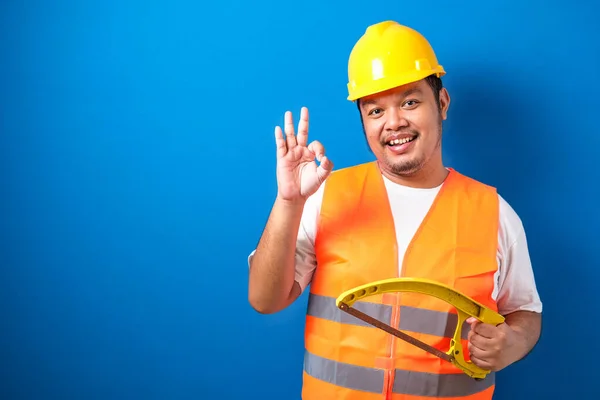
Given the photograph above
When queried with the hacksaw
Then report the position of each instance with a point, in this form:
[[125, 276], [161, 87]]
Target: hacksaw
[[465, 306]]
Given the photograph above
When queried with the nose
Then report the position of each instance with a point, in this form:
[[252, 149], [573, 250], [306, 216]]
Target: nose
[[395, 120]]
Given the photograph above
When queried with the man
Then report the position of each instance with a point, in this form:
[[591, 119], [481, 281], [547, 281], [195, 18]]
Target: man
[[404, 215]]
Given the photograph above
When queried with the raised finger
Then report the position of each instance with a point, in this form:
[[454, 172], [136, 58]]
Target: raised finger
[[280, 142], [290, 134], [317, 148], [303, 127]]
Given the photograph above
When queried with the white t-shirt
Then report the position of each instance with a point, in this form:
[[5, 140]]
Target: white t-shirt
[[514, 288]]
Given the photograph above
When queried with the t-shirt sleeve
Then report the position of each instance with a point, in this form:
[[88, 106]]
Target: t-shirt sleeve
[[517, 288]]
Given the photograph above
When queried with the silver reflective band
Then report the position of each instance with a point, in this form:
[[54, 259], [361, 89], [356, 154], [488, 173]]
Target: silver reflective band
[[412, 319], [405, 382]]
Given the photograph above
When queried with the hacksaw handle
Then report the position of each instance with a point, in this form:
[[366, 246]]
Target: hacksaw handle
[[457, 351]]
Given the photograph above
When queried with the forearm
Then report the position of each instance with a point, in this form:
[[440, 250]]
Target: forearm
[[527, 327], [271, 282]]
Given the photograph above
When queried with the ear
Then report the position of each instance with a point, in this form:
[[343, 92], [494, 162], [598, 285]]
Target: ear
[[444, 102]]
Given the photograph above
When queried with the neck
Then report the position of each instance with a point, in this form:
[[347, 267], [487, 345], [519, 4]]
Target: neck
[[429, 176]]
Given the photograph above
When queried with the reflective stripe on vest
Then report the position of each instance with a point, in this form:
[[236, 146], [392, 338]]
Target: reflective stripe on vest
[[412, 319], [405, 382]]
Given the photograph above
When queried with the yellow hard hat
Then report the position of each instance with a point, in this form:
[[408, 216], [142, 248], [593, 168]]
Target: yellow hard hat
[[389, 55]]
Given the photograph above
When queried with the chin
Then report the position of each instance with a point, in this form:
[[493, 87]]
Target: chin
[[404, 165]]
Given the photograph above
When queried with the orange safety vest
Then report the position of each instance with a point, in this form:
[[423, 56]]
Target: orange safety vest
[[346, 358]]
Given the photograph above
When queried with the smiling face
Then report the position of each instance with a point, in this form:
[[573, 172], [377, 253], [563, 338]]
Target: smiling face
[[403, 127]]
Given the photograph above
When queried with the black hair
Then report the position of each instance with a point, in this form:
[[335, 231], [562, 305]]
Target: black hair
[[436, 85]]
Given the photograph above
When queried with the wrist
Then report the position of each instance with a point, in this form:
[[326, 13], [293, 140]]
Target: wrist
[[290, 204]]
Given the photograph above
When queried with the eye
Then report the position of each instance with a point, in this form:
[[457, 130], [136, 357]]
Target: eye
[[375, 112], [410, 103]]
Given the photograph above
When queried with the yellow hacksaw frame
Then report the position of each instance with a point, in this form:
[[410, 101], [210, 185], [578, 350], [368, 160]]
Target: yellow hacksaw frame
[[465, 306]]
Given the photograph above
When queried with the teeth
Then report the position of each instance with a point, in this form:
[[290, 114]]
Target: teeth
[[400, 141]]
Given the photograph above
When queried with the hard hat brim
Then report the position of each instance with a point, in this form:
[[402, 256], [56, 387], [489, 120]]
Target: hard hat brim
[[387, 83]]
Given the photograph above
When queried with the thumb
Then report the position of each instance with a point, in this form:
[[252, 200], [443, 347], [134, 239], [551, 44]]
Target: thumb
[[324, 169]]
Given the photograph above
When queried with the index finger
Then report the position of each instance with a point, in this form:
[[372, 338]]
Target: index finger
[[303, 127]]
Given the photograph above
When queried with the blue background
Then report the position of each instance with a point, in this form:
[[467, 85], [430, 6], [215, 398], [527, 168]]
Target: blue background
[[137, 164]]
